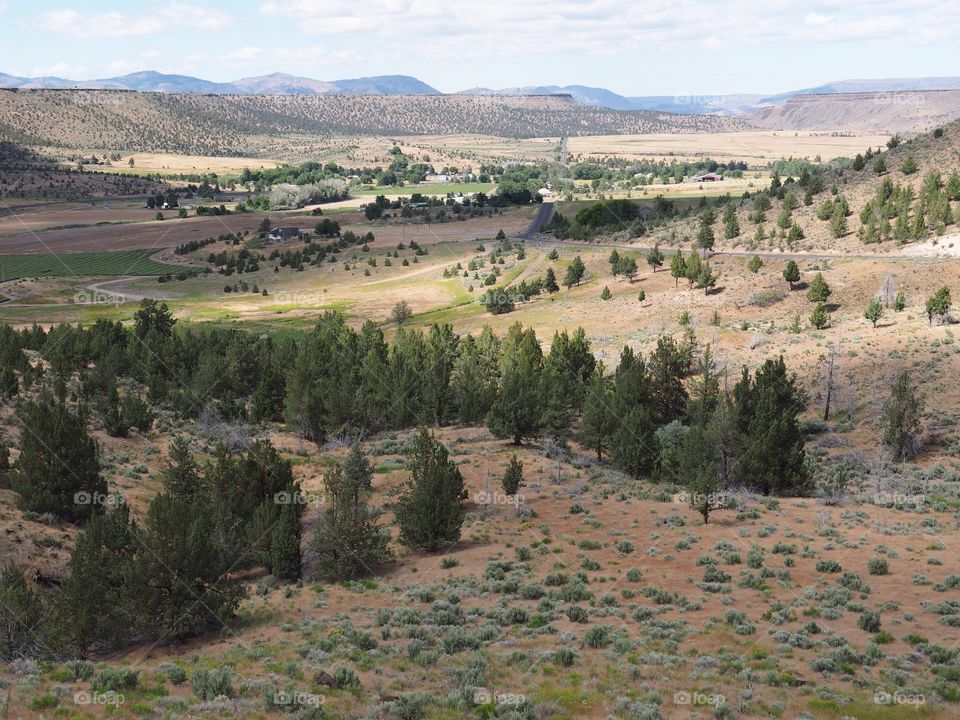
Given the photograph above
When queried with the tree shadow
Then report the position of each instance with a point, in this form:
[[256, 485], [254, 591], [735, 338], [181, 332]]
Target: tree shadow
[[716, 290]]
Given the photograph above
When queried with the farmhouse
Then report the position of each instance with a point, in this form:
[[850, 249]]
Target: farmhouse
[[707, 177], [283, 233]]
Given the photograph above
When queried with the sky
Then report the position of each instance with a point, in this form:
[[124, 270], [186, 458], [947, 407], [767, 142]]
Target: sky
[[633, 47]]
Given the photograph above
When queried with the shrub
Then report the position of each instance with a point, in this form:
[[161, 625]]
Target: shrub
[[566, 657], [80, 669], [828, 566], [869, 621], [577, 614], [211, 684], [598, 637], [878, 566], [345, 678], [115, 680]]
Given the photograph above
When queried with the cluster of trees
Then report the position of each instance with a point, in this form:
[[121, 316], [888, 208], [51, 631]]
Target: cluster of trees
[[896, 212], [693, 269]]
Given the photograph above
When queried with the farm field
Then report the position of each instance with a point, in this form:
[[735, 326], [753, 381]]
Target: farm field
[[81, 264]]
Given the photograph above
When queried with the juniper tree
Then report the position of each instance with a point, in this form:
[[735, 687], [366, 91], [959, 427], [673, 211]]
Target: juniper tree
[[513, 478], [678, 267], [348, 541], [599, 419], [791, 273], [903, 418], [430, 512], [938, 304], [755, 264], [633, 446], [874, 311], [517, 411], [58, 470], [575, 272], [655, 257], [819, 291]]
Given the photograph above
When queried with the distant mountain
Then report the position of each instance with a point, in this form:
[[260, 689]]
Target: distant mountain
[[274, 84], [283, 84], [867, 86], [598, 97], [385, 85]]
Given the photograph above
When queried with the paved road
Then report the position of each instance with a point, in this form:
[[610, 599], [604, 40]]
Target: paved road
[[541, 220]]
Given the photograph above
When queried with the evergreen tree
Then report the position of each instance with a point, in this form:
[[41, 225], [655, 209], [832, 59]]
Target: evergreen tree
[[575, 272], [550, 281], [819, 291], [178, 576], [348, 541], [705, 388], [771, 455], [517, 411], [667, 368], [791, 273], [678, 267], [903, 418], [599, 419], [181, 475], [755, 264], [285, 540], [693, 267], [513, 477], [58, 470], [634, 447], [475, 376], [874, 311], [95, 604], [820, 318], [700, 469], [430, 513], [938, 304], [705, 278], [655, 257], [23, 619]]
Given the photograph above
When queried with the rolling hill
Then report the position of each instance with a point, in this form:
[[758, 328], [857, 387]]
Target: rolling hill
[[232, 124]]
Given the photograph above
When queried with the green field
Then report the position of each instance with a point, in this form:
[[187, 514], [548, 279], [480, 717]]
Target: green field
[[82, 264], [425, 189]]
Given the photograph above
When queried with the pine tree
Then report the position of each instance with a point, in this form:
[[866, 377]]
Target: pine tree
[[513, 477], [791, 273], [430, 513], [95, 604], [575, 272], [599, 419], [667, 368], [517, 411], [678, 267], [550, 281], [178, 576], [700, 469], [285, 540], [939, 303], [693, 267], [348, 542], [903, 418], [838, 223], [24, 632], [820, 318], [655, 257], [755, 264], [58, 470], [874, 311], [819, 291], [181, 475], [634, 446], [705, 278], [606, 294]]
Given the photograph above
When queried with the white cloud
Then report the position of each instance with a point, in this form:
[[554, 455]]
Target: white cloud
[[505, 28], [62, 70], [117, 25]]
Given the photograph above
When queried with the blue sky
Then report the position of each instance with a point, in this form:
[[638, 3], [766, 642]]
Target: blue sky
[[629, 46]]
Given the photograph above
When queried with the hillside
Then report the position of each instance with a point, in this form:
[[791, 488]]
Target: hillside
[[230, 124], [898, 111]]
